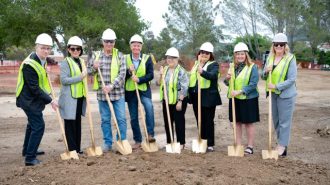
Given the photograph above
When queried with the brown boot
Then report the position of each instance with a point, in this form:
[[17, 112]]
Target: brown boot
[[151, 139]]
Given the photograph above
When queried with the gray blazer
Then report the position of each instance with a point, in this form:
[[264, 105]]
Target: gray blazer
[[67, 104], [288, 86]]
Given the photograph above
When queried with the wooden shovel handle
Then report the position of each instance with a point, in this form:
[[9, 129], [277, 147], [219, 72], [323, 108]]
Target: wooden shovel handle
[[110, 104], [270, 113], [233, 103], [199, 110], [167, 108]]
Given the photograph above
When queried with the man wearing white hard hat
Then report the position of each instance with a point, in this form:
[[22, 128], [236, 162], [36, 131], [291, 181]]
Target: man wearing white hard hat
[[72, 100], [208, 70], [176, 81], [283, 68], [32, 94], [113, 69], [244, 88], [141, 65]]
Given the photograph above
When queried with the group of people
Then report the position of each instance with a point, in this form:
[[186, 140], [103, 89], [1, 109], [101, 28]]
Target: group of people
[[121, 74]]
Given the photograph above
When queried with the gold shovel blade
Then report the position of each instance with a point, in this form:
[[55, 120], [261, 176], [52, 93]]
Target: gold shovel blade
[[123, 147], [94, 151], [236, 151], [69, 155], [173, 148], [269, 154], [149, 147], [199, 146]]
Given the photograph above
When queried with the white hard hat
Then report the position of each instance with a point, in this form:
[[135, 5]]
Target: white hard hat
[[44, 39], [136, 38], [280, 37], [207, 46], [241, 47], [109, 34], [173, 52], [75, 40]]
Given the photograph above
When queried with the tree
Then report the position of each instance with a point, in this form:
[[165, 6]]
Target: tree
[[161, 44], [191, 23], [263, 44]]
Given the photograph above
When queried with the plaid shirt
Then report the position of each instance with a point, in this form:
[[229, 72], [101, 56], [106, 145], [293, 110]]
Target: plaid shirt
[[118, 90]]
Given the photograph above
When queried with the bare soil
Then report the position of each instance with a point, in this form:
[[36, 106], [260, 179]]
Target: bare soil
[[308, 160]]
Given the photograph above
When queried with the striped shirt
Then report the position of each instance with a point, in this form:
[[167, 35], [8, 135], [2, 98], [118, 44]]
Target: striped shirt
[[118, 90]]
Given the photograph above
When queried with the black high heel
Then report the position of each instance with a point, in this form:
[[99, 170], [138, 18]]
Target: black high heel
[[284, 152]]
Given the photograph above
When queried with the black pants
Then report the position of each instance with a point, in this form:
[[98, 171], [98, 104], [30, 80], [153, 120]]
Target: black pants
[[180, 122], [207, 119], [73, 128]]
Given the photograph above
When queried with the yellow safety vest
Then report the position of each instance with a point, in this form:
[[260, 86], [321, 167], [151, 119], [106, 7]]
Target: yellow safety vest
[[114, 71], [77, 89], [205, 83], [241, 80], [172, 86], [42, 76], [280, 71], [141, 71]]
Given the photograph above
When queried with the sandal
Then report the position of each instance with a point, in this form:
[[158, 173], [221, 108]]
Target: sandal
[[248, 150]]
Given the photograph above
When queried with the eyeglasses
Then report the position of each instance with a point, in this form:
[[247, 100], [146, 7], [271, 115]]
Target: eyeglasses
[[170, 57], [45, 48], [205, 52], [75, 49], [109, 41], [279, 44]]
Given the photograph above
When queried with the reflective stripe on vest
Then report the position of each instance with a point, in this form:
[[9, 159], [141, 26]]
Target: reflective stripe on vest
[[172, 86], [280, 71], [42, 76], [77, 89], [141, 71], [205, 83], [240, 81], [114, 68]]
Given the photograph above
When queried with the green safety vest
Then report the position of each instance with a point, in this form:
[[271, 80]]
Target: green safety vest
[[42, 76], [240, 81], [280, 71], [193, 76], [172, 86], [114, 71], [141, 71], [77, 89]]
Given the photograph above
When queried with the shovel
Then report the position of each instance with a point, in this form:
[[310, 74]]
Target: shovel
[[173, 147], [270, 154], [146, 145], [93, 150], [67, 154], [199, 145], [122, 146], [235, 150]]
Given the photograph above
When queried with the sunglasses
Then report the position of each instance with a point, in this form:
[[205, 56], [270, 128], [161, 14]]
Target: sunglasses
[[279, 44], [109, 41], [205, 52], [75, 49]]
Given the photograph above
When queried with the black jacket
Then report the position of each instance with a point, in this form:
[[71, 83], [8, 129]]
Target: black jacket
[[211, 96], [32, 97]]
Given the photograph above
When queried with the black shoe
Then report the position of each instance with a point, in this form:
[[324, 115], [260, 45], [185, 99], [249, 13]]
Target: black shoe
[[32, 163], [284, 152], [39, 152], [80, 152]]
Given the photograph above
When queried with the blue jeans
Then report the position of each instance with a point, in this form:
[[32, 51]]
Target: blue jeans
[[119, 109], [33, 134], [134, 114]]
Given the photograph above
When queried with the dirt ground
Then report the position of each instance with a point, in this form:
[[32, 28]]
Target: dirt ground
[[308, 160]]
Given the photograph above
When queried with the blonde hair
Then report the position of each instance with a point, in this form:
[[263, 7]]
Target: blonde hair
[[247, 61], [272, 50]]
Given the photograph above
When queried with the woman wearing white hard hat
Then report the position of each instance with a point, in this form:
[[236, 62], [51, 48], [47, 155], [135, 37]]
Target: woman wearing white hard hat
[[282, 65], [72, 100], [208, 69], [244, 88], [176, 81]]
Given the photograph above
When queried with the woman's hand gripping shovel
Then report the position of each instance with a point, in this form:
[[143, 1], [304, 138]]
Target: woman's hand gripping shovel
[[92, 150], [270, 154], [234, 150], [173, 147], [199, 145], [67, 154], [122, 146], [146, 145]]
